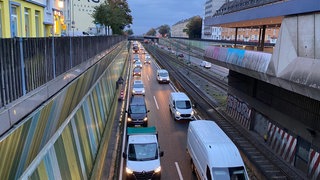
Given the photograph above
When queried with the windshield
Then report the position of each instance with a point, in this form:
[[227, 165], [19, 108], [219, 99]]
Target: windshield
[[142, 152], [183, 104], [136, 109], [137, 85], [163, 74], [234, 173]]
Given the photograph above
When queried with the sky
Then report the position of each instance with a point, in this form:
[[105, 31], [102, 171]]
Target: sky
[[149, 14]]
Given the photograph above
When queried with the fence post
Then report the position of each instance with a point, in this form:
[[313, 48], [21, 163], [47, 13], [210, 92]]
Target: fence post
[[53, 56], [71, 52], [23, 75]]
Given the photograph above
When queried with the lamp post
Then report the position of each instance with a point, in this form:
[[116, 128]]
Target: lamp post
[[189, 52]]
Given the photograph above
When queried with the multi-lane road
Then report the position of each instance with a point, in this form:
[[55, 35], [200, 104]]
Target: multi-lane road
[[175, 163]]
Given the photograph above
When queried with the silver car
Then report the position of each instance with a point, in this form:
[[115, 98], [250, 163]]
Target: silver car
[[138, 88]]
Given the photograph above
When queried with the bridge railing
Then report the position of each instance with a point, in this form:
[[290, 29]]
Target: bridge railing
[[28, 63]]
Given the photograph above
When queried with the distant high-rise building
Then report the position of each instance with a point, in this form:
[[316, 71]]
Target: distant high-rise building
[[210, 8]]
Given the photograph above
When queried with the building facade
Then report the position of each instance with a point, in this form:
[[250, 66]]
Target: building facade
[[45, 18], [177, 29], [78, 18], [211, 32], [20, 18], [250, 34]]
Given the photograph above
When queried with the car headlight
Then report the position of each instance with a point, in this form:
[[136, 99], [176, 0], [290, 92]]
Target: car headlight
[[129, 119], [143, 91], [129, 171], [192, 113], [145, 119], [178, 113], [158, 170], [133, 91]]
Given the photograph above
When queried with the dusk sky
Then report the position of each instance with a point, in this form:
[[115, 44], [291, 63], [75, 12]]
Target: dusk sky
[[149, 14]]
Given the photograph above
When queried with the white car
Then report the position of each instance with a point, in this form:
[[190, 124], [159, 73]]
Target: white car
[[205, 64], [138, 64], [138, 88]]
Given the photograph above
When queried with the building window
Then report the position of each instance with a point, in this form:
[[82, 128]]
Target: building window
[[27, 22], [37, 22], [14, 21]]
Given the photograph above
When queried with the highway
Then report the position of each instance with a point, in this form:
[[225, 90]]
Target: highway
[[175, 163]]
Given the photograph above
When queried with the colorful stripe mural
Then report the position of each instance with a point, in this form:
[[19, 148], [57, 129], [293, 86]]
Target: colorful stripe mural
[[60, 140]]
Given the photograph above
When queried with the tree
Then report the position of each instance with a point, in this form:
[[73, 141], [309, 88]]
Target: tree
[[164, 30], [193, 28], [113, 13], [128, 32], [151, 32]]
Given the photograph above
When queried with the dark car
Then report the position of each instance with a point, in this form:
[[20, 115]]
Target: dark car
[[181, 55], [136, 71], [137, 112]]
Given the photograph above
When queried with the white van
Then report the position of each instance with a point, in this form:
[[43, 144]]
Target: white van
[[142, 154], [163, 76], [213, 154], [180, 106]]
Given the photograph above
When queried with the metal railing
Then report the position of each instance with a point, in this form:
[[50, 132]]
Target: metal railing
[[28, 63]]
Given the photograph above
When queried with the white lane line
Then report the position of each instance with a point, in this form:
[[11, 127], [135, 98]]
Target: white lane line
[[156, 102], [148, 77], [178, 169]]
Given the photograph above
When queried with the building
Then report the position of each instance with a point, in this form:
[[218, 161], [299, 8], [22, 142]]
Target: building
[[45, 18], [178, 28], [78, 18], [20, 18], [210, 32], [250, 34]]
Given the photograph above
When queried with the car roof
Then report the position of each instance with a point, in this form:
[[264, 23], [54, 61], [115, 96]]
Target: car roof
[[137, 82], [137, 100], [136, 69], [162, 70]]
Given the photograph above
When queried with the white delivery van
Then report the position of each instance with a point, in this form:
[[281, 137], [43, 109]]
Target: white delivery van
[[163, 76], [180, 106], [142, 154], [213, 154]]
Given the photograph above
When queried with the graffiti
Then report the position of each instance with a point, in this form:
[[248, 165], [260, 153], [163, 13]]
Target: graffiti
[[257, 61], [239, 110]]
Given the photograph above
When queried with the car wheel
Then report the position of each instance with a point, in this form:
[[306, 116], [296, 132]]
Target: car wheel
[[145, 124]]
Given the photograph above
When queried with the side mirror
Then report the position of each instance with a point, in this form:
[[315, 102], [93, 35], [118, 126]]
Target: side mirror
[[161, 153], [148, 111], [124, 155]]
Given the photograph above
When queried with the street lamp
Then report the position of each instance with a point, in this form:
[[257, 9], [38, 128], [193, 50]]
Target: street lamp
[[189, 52]]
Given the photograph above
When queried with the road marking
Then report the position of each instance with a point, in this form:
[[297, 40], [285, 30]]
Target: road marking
[[178, 169], [148, 77], [156, 102]]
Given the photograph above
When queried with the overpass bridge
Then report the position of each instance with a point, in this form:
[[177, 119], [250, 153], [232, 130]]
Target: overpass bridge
[[276, 95]]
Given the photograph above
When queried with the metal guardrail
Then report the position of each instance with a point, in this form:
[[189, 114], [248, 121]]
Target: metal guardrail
[[28, 63]]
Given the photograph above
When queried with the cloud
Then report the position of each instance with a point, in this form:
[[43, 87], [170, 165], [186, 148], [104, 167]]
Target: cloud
[[149, 14]]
